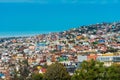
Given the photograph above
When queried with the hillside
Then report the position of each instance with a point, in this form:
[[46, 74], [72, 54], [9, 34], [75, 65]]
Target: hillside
[[98, 37]]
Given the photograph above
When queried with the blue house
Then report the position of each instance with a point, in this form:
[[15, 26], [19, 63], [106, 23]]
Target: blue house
[[101, 41], [1, 75]]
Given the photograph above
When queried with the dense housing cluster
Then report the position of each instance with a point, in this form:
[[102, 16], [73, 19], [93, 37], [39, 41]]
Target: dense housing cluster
[[99, 42]]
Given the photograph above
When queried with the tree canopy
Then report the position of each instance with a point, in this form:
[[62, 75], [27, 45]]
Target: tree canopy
[[89, 70], [37, 76], [95, 70], [57, 71]]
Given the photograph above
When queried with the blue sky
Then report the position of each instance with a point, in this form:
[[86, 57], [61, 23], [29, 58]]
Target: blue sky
[[41, 16]]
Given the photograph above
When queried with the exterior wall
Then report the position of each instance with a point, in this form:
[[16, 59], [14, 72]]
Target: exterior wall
[[105, 58], [116, 58], [108, 54], [92, 56], [108, 60], [108, 63], [81, 58]]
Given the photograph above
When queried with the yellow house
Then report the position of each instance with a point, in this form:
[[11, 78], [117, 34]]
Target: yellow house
[[108, 54]]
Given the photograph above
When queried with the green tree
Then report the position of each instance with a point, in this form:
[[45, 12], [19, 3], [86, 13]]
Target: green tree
[[24, 71], [90, 70], [37, 76], [57, 71], [45, 65], [113, 72]]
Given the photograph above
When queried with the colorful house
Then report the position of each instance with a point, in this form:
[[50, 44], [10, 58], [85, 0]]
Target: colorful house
[[108, 60], [91, 56]]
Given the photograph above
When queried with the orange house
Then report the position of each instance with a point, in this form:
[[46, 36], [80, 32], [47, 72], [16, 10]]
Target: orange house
[[79, 37], [91, 56]]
